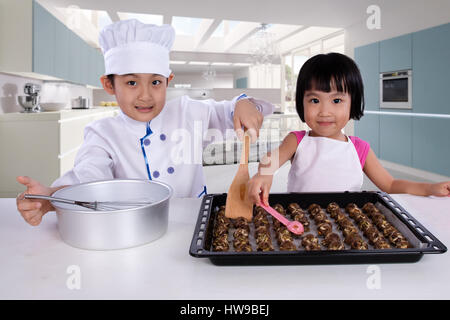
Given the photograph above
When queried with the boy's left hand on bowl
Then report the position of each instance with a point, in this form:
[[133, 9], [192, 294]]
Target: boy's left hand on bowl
[[246, 115]]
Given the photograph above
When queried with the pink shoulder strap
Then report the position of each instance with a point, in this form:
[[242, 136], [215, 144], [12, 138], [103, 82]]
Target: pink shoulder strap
[[362, 148], [299, 135]]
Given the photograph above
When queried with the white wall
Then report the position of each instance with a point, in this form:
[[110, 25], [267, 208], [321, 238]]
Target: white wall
[[264, 76], [221, 80], [15, 52]]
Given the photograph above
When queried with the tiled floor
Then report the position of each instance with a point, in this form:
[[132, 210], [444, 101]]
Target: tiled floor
[[219, 178]]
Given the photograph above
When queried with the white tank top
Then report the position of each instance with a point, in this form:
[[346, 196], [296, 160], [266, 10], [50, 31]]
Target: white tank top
[[325, 165]]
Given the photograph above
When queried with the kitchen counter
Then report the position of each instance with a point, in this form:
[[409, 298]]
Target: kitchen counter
[[61, 115], [37, 264]]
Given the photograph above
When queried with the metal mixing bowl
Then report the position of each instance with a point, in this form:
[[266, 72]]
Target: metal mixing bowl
[[117, 229]]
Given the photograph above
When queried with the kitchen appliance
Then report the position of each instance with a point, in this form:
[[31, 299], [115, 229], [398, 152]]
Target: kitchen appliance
[[80, 103], [116, 229], [30, 102], [396, 90], [421, 240]]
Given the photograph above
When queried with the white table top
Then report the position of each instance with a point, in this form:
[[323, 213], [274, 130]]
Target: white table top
[[34, 262]]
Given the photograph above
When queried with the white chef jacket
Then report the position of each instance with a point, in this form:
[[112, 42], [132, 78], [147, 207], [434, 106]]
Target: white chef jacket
[[168, 148], [322, 164]]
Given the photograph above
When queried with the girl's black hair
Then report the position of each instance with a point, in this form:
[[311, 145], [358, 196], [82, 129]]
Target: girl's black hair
[[325, 72]]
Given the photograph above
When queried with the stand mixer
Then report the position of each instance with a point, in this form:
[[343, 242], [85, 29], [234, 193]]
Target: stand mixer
[[31, 101]]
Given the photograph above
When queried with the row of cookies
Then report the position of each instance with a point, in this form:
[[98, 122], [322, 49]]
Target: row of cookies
[[396, 238]]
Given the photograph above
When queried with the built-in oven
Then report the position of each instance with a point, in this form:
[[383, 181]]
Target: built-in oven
[[396, 89]]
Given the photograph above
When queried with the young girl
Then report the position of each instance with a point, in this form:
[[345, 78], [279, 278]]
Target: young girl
[[151, 138], [329, 94]]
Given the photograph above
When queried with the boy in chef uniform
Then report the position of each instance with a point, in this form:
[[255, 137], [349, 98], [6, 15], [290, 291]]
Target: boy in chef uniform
[[150, 138]]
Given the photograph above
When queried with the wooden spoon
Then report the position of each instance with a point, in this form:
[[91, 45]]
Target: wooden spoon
[[238, 203]]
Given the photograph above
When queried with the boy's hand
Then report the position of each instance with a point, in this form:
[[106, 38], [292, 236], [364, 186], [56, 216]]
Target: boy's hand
[[259, 188], [33, 210], [246, 115], [441, 189]]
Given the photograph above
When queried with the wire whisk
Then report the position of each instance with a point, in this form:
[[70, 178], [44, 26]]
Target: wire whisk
[[93, 205]]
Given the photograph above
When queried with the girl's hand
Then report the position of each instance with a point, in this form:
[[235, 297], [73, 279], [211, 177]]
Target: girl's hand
[[246, 115], [441, 189], [259, 188], [33, 210]]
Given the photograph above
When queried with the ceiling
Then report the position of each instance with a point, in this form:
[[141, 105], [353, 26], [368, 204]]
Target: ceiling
[[292, 23]]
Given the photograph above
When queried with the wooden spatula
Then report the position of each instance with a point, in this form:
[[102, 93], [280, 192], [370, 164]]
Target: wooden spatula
[[238, 203]]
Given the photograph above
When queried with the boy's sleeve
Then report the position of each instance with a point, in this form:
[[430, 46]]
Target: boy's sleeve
[[92, 162]]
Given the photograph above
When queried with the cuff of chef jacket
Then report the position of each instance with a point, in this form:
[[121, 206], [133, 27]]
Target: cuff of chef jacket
[[262, 106]]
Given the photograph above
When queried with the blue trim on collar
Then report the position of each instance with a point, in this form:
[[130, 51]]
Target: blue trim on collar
[[148, 132]]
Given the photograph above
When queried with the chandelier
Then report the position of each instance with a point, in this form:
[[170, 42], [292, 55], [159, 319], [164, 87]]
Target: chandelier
[[263, 49]]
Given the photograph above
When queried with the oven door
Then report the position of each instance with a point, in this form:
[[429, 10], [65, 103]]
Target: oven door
[[395, 90]]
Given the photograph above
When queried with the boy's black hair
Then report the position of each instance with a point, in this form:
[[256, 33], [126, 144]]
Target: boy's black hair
[[325, 72], [111, 78]]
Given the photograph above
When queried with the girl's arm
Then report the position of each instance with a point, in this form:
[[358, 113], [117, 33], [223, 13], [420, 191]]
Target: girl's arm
[[385, 182], [271, 162]]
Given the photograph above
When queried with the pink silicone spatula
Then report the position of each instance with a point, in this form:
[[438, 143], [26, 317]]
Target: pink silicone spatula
[[293, 226]]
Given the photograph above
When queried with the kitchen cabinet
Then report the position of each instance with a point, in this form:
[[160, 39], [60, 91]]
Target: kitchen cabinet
[[368, 60], [74, 58], [44, 29], [431, 68], [62, 62], [41, 46], [396, 138], [368, 129], [395, 53], [430, 145], [417, 141], [41, 145]]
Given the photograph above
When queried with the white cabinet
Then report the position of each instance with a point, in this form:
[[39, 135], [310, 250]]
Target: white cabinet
[[41, 145]]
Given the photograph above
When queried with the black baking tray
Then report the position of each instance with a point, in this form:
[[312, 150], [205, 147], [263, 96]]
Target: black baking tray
[[421, 239]]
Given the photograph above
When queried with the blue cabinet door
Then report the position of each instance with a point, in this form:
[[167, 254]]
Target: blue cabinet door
[[368, 129], [43, 40], [367, 58], [74, 58], [84, 62], [95, 71], [100, 67], [431, 70], [62, 38], [396, 138], [431, 145], [91, 64], [395, 53]]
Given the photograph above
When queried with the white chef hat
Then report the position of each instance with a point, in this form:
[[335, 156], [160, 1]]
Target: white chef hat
[[130, 46]]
